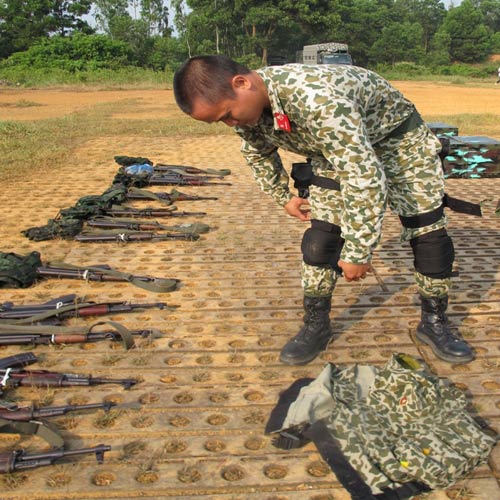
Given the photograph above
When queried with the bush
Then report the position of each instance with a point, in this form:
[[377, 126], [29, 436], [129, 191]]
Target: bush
[[75, 53]]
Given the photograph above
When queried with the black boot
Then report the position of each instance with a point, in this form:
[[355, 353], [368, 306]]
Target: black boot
[[314, 336], [434, 331]]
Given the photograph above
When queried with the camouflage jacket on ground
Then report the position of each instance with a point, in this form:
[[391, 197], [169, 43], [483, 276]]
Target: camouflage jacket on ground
[[394, 425], [336, 114]]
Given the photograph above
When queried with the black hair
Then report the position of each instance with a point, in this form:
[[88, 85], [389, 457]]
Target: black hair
[[208, 77]]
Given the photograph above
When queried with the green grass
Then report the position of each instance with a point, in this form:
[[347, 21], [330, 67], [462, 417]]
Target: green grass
[[37, 146], [486, 124]]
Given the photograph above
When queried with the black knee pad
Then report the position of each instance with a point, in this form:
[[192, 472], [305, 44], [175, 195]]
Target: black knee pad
[[434, 254], [322, 244]]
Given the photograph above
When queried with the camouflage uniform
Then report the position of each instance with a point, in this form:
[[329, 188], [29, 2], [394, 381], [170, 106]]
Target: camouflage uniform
[[394, 424], [342, 117]]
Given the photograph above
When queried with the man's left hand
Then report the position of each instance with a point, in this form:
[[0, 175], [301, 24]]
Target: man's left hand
[[354, 272]]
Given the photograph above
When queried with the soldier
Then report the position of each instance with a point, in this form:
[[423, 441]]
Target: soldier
[[369, 148]]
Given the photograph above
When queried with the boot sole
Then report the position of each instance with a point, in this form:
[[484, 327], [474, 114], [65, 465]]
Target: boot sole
[[445, 357], [300, 362]]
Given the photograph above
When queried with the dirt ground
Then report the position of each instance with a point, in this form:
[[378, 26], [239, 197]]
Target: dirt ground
[[193, 427], [431, 99]]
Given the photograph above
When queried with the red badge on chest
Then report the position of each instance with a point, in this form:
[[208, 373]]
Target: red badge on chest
[[283, 122]]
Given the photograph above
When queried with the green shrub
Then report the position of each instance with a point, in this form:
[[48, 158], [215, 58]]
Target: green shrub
[[75, 53]]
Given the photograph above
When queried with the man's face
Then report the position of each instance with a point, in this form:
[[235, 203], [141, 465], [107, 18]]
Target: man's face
[[245, 108]]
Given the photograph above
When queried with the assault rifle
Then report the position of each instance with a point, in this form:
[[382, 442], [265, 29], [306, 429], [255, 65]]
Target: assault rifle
[[185, 169], [68, 306], [13, 376], [126, 236], [23, 338], [150, 212], [176, 179], [19, 460], [103, 272], [172, 197], [188, 230], [29, 413]]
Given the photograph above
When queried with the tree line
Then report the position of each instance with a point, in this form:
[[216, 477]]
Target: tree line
[[78, 35]]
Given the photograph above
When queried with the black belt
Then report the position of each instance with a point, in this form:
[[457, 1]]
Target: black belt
[[325, 182], [428, 218], [411, 123]]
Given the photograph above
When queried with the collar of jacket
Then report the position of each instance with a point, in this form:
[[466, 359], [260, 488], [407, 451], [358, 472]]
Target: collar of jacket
[[281, 121]]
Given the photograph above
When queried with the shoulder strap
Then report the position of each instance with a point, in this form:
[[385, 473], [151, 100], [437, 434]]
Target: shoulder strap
[[43, 430], [158, 285]]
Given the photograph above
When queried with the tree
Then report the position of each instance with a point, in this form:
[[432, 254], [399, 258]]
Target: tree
[[24, 22], [361, 22], [399, 42], [469, 37]]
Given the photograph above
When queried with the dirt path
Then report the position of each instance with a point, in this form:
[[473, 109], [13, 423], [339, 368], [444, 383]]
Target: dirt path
[[430, 98], [193, 427]]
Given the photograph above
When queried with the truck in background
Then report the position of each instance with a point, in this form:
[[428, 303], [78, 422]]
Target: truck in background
[[324, 53]]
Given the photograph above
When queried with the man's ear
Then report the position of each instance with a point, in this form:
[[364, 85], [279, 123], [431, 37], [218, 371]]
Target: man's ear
[[241, 82]]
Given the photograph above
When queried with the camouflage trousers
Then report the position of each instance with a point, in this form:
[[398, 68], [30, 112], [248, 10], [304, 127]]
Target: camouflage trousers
[[414, 184]]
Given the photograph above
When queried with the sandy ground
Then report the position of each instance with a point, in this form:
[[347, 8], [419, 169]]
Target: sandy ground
[[431, 99], [193, 426]]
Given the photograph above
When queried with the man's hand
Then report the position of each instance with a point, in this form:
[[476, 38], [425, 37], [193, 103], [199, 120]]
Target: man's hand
[[293, 208], [354, 272]]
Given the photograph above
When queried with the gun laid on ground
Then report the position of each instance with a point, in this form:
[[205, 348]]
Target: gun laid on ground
[[26, 414], [18, 460], [41, 312], [176, 179], [186, 169], [150, 212], [13, 338], [172, 197], [13, 375], [126, 236], [103, 272], [189, 231]]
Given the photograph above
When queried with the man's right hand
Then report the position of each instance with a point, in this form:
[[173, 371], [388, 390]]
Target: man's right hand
[[293, 208]]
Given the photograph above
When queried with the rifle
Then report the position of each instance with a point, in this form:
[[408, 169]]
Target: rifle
[[19, 460], [149, 212], [41, 312], [188, 231], [103, 272], [173, 196], [29, 413], [184, 169], [14, 376], [126, 236], [68, 338], [175, 179]]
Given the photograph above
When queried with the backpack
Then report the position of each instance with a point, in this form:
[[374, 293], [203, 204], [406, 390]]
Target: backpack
[[387, 433], [18, 271]]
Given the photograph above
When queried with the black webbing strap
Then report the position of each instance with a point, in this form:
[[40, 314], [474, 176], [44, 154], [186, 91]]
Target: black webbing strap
[[428, 218], [349, 477], [325, 182], [332, 454], [280, 411]]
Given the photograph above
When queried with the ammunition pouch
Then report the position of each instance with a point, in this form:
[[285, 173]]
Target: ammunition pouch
[[322, 244], [18, 271], [433, 254]]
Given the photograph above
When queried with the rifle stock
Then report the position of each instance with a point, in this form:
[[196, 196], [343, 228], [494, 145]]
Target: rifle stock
[[19, 460]]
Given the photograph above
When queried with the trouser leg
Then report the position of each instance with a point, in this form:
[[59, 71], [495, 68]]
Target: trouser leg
[[321, 247], [434, 257]]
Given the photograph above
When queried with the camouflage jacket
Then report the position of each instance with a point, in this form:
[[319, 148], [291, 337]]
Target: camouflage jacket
[[336, 115], [394, 424]]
